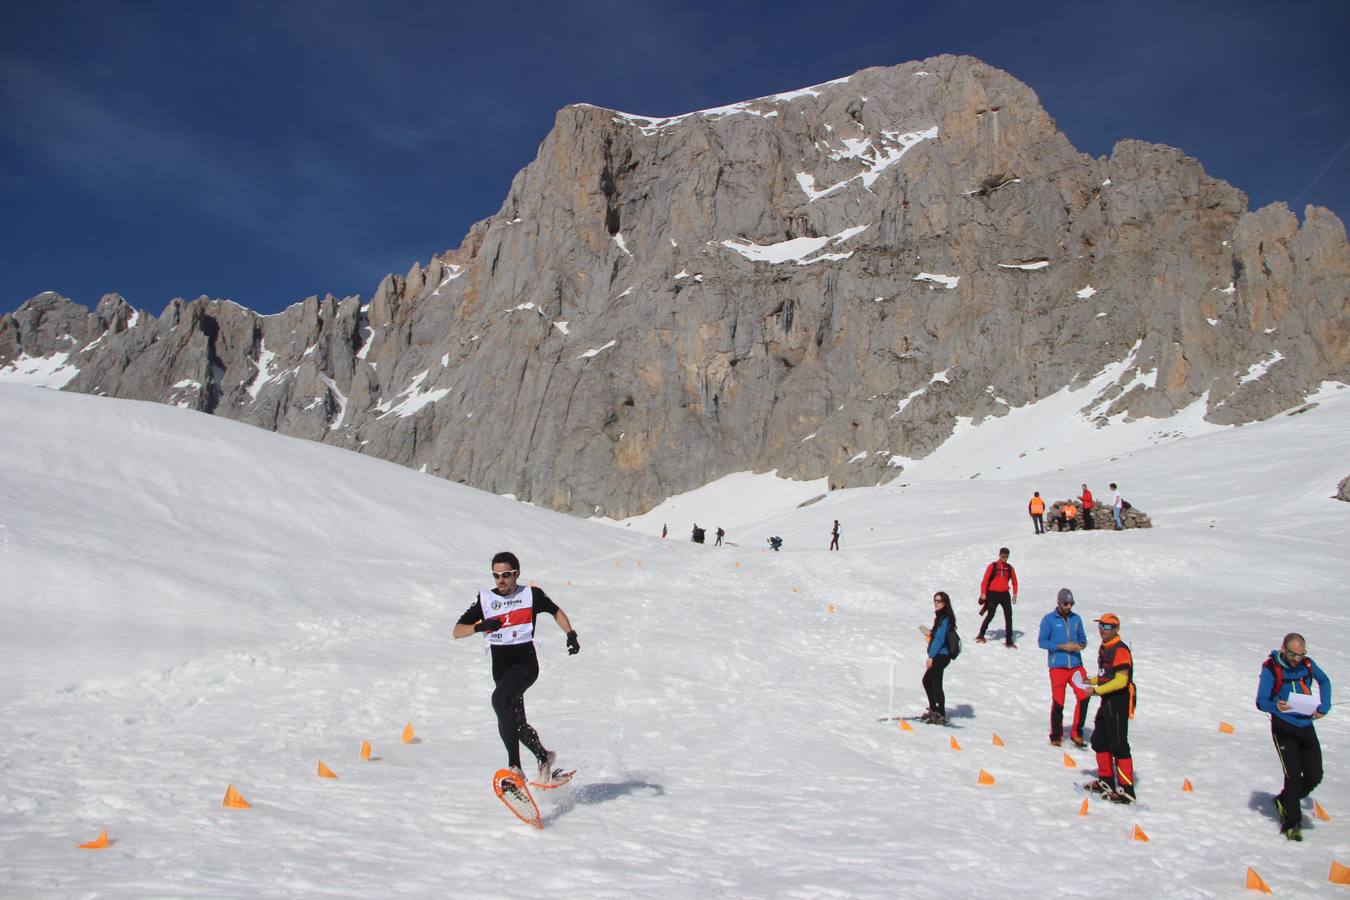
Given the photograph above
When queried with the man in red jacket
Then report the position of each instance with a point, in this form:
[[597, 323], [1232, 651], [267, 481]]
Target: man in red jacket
[[998, 587], [1086, 501]]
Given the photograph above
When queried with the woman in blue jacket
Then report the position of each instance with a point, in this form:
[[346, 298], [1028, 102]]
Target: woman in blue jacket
[[1289, 671], [939, 657]]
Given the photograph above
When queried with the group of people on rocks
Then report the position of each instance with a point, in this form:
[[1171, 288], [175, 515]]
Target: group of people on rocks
[[1075, 510], [1284, 690]]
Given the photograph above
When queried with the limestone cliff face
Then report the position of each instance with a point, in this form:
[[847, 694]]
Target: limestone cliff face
[[819, 282]]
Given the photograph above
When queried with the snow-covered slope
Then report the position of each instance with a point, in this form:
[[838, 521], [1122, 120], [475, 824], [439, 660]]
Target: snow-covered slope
[[190, 603]]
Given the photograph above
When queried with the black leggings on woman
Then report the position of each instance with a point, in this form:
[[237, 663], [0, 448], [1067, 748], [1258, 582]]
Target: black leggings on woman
[[508, 702], [932, 684]]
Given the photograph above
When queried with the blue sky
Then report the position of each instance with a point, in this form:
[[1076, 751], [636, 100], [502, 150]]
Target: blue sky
[[266, 151]]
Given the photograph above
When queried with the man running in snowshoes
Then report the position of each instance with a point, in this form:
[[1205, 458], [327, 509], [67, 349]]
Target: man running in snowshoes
[[505, 615], [1286, 672], [1114, 683]]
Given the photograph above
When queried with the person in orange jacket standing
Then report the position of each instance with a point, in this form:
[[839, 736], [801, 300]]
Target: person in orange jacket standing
[[998, 587], [1114, 683], [1037, 510]]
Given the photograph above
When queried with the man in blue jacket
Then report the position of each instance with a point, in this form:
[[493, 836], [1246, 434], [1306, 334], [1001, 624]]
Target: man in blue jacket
[[1063, 638], [1286, 672]]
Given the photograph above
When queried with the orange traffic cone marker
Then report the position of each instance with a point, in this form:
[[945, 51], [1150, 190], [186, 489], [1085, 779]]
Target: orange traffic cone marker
[[639, 563], [1255, 882], [1225, 728], [365, 750], [998, 741], [618, 564], [408, 735], [97, 843], [1082, 810], [794, 590], [955, 745], [1139, 834], [1339, 874], [1186, 786], [830, 608], [985, 777], [1320, 812], [905, 726], [234, 799], [325, 772], [1069, 763]]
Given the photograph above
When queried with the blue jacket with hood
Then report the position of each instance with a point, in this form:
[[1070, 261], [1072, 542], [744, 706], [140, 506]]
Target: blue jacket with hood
[[1294, 678], [1056, 630]]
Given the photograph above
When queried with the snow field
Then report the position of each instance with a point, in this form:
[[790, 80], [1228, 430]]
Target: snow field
[[193, 603]]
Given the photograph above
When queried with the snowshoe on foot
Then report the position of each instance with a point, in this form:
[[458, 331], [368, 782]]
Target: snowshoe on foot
[[1097, 786]]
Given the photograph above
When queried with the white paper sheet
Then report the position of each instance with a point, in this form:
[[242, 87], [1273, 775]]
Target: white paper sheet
[[1303, 704]]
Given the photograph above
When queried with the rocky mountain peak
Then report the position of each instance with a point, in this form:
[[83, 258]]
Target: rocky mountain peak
[[821, 282]]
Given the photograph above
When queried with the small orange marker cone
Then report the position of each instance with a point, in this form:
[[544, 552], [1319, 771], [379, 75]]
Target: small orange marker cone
[[1320, 813], [985, 777], [1082, 810], [1339, 874], [794, 590], [1225, 728], [365, 750], [955, 745], [97, 843], [325, 772], [234, 799], [830, 608], [1069, 763], [618, 564], [905, 726], [1186, 786], [738, 565], [998, 741], [1255, 882], [639, 563], [1139, 834], [408, 734]]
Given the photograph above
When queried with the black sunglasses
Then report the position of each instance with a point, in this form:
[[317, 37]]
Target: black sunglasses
[[1105, 627], [504, 575]]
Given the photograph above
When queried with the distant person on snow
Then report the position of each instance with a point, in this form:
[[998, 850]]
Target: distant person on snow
[[1117, 507], [940, 642], [505, 614], [663, 530], [720, 534], [1114, 683], [1286, 672], [1068, 517], [998, 587], [834, 536], [697, 536], [775, 543], [1063, 639], [1086, 503], [1037, 510]]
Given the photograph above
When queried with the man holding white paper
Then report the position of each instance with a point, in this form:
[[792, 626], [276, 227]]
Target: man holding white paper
[[1285, 692]]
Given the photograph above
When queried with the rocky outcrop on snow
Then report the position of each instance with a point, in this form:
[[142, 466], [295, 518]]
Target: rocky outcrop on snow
[[1101, 517], [1343, 489], [819, 282]]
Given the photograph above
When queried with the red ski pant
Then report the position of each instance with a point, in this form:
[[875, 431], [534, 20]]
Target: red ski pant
[[1059, 680]]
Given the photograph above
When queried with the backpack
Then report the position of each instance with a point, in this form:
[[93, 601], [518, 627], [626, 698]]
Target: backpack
[[1124, 504], [953, 641], [1278, 673]]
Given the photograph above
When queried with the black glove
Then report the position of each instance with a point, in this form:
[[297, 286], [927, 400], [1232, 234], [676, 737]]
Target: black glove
[[573, 648], [488, 625]]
